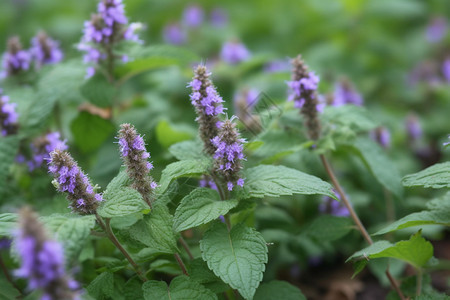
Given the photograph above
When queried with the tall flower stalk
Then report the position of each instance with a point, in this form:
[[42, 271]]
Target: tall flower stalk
[[15, 60]]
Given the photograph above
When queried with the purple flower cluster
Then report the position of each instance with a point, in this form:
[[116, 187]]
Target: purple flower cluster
[[436, 30], [43, 146], [413, 127], [174, 34], [382, 136], [45, 50], [42, 260], [333, 207], [208, 105], [300, 88], [229, 154], [234, 52], [70, 179], [135, 157], [207, 182], [344, 93], [15, 60], [8, 116], [105, 29]]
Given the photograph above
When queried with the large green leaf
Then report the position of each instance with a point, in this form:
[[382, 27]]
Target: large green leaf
[[275, 181], [184, 168], [71, 230], [238, 257], [277, 290], [8, 222], [329, 228], [181, 288], [102, 287], [416, 251], [8, 291], [201, 206], [168, 134], [187, 150], [98, 91], [199, 272], [379, 164], [436, 176], [122, 202], [8, 151]]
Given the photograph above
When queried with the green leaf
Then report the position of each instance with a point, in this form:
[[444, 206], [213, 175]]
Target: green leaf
[[8, 222], [416, 251], [90, 131], [187, 150], [168, 134], [184, 168], [71, 230], [119, 182], [200, 273], [436, 176], [355, 117], [275, 181], [102, 287], [8, 151], [122, 202], [277, 290], [8, 291], [98, 91], [155, 231], [181, 288], [201, 206], [379, 164], [329, 228], [237, 257]]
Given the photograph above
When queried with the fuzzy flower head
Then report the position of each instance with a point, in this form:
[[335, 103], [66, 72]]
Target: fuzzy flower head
[[174, 34], [208, 106], [229, 154], [135, 158], [42, 260], [436, 30], [43, 146], [234, 52], [413, 127], [382, 136], [303, 87], [45, 50], [219, 17], [15, 60], [70, 178], [8, 116], [105, 30], [344, 93], [193, 16]]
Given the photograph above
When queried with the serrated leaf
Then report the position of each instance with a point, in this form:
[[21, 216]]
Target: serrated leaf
[[102, 287], [436, 176], [201, 206], [237, 257], [277, 290], [184, 168], [8, 222], [275, 181], [72, 231], [379, 164], [356, 117], [119, 182], [187, 150], [122, 202], [98, 91], [8, 151], [329, 228], [416, 251], [181, 288], [169, 134]]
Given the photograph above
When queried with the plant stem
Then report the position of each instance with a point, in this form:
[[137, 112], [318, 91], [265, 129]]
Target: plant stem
[[355, 217], [181, 264], [8, 276], [222, 197], [186, 247], [115, 241], [419, 282]]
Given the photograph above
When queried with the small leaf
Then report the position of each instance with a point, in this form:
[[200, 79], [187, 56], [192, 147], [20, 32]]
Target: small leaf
[[416, 251], [181, 288], [187, 150], [122, 202], [98, 91], [201, 206], [237, 257], [102, 287], [90, 131], [277, 290], [275, 181], [8, 222], [436, 176], [169, 134], [184, 168], [329, 228]]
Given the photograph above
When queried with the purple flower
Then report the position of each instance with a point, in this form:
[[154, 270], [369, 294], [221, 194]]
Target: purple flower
[[219, 17], [135, 157], [344, 93], [43, 146], [302, 87], [436, 30], [382, 136], [193, 16], [5, 243], [413, 127], [174, 34], [276, 66], [70, 179], [15, 60], [207, 182], [446, 69], [333, 207], [8, 116], [45, 50], [229, 154], [234, 52], [42, 260]]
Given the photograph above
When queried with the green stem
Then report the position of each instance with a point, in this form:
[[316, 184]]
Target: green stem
[[419, 282], [186, 247], [181, 264]]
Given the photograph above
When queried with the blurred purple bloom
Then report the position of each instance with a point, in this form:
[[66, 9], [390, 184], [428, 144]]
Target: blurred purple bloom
[[207, 182], [277, 66], [344, 93], [436, 30], [301, 87], [5, 243], [193, 16], [333, 207], [222, 218], [446, 69], [43, 146], [174, 34], [45, 50], [219, 17], [234, 52], [8, 116], [413, 127], [382, 136], [15, 59]]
